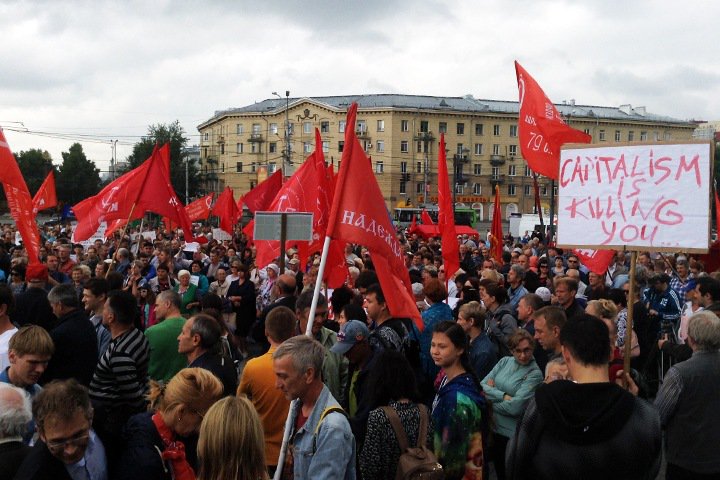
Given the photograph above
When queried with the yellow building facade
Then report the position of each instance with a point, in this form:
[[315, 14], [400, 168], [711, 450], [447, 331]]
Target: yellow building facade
[[240, 147]]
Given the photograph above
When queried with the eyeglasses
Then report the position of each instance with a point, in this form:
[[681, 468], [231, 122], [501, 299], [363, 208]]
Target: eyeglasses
[[58, 445], [525, 351]]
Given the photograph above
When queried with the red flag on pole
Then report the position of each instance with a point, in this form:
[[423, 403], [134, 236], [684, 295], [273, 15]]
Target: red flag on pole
[[45, 197], [359, 215], [227, 210], [446, 216], [597, 261], [425, 217], [200, 208], [413, 224], [260, 197], [496, 232], [19, 200], [541, 129]]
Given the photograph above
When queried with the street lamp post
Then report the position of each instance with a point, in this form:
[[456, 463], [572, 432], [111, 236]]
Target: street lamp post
[[459, 160]]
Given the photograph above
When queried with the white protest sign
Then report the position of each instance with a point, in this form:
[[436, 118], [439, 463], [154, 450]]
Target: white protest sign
[[641, 197], [220, 234]]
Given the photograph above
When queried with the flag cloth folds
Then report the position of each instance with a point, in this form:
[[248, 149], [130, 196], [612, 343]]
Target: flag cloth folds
[[145, 188], [541, 129], [597, 261], [413, 224], [260, 197], [359, 215], [446, 216], [227, 210], [19, 200], [496, 232], [45, 197], [200, 208], [425, 216]]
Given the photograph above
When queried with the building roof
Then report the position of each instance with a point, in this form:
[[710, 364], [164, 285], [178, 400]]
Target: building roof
[[450, 104]]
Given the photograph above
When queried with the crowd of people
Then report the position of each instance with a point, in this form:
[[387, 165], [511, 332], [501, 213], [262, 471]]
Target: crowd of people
[[150, 357]]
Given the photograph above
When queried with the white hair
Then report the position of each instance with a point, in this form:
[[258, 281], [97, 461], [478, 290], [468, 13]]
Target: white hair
[[15, 411]]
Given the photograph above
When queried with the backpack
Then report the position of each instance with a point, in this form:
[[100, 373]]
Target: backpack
[[418, 462]]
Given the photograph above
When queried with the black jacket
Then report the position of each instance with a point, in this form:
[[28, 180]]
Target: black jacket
[[76, 350], [223, 368], [12, 455], [588, 431], [32, 307], [40, 464]]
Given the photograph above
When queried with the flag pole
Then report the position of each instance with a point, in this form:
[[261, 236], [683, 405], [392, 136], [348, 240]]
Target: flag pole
[[114, 257], [629, 324], [308, 332]]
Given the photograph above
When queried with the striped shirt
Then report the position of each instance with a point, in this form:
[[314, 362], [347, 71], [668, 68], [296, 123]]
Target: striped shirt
[[121, 375]]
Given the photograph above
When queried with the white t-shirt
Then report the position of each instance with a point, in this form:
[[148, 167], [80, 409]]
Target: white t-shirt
[[4, 341]]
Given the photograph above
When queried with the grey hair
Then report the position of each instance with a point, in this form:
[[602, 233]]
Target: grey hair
[[64, 294], [171, 296], [15, 413], [557, 360], [208, 329], [519, 271], [704, 329], [123, 252], [305, 352], [305, 300]]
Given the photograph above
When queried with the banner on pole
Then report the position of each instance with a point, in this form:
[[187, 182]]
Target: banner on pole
[[639, 197]]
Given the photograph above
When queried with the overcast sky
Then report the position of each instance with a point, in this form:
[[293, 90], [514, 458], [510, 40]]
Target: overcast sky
[[106, 70]]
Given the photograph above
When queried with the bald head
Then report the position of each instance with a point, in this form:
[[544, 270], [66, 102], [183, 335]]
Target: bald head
[[573, 273], [286, 284]]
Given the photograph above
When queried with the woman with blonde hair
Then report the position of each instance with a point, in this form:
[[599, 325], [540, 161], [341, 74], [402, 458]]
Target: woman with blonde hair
[[153, 448], [231, 444]]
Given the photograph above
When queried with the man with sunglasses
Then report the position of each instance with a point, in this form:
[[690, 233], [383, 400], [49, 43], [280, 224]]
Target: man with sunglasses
[[68, 447]]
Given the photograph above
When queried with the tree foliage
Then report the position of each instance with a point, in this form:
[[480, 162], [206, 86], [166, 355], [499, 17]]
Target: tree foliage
[[174, 134], [78, 177], [34, 164]]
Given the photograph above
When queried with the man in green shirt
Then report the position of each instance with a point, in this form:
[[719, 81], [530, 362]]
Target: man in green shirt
[[165, 361]]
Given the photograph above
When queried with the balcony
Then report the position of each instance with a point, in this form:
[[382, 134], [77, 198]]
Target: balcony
[[497, 180], [211, 160], [424, 136], [221, 139], [497, 160], [256, 138], [362, 134]]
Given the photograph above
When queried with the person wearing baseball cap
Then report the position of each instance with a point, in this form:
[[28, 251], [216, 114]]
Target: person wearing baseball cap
[[353, 333]]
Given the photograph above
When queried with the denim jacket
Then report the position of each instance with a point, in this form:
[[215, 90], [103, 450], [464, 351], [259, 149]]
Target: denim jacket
[[334, 456]]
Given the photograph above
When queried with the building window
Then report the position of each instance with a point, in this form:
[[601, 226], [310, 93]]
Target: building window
[[526, 189], [403, 167], [631, 136], [478, 129], [404, 126], [586, 131], [424, 126], [601, 135], [272, 147], [643, 136], [379, 167], [496, 149], [496, 130], [381, 125], [361, 126], [528, 172], [341, 145], [403, 188], [419, 188], [253, 167], [206, 137], [255, 148], [367, 145], [495, 173], [511, 170], [617, 135], [325, 127], [442, 128], [205, 152], [511, 189], [239, 129], [256, 128], [512, 150], [341, 126], [238, 167], [418, 167], [668, 136], [478, 149], [460, 148], [222, 149], [222, 168], [380, 146], [459, 188], [239, 148], [555, 191], [656, 136], [272, 166], [307, 147], [326, 146], [404, 146], [273, 128], [477, 169], [513, 130], [544, 190], [477, 189], [307, 127], [461, 129]]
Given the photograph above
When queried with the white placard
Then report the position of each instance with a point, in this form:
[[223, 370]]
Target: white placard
[[640, 197], [220, 235], [149, 235], [99, 235], [298, 226]]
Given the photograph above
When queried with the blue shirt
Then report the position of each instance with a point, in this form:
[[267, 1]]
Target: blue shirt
[[93, 465]]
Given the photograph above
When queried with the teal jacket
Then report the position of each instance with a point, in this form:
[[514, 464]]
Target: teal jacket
[[518, 381]]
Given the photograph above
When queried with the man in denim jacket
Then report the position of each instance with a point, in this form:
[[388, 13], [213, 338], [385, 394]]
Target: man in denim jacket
[[321, 444]]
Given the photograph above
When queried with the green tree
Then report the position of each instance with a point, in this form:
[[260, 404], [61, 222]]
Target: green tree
[[78, 177], [34, 164], [174, 134]]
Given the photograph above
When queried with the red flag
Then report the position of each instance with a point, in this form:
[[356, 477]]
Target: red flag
[[425, 216], [413, 224], [200, 208], [45, 197], [446, 216], [597, 261], [541, 129], [227, 210], [359, 215], [248, 230], [19, 201], [496, 232], [260, 197]]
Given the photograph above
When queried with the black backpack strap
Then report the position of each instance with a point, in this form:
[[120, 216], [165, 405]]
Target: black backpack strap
[[396, 425]]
